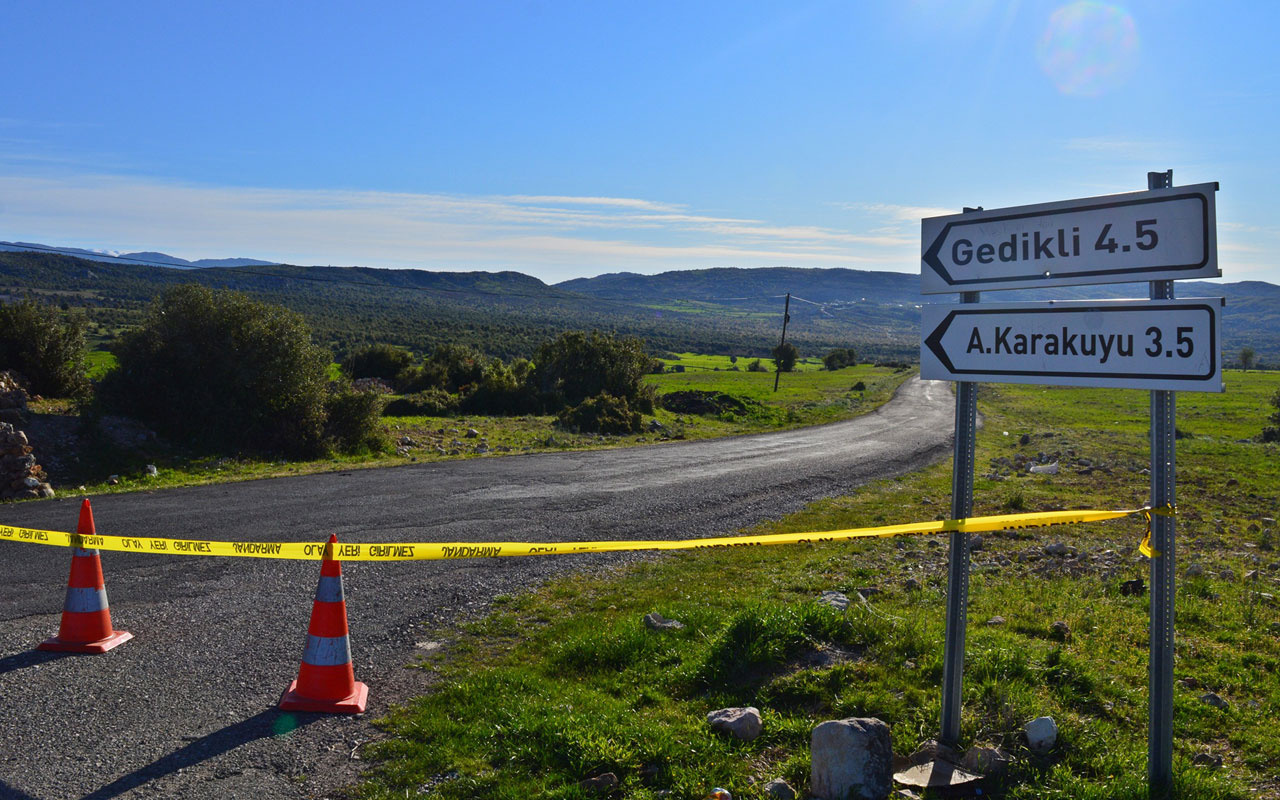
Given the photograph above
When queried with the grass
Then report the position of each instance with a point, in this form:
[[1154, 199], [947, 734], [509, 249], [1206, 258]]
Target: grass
[[807, 397], [564, 683]]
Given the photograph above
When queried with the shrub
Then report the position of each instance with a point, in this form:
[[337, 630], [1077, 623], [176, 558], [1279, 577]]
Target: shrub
[[576, 366], [46, 346], [1271, 433], [840, 358], [376, 361], [603, 413], [434, 402], [502, 389], [756, 366], [219, 370], [785, 355], [352, 420]]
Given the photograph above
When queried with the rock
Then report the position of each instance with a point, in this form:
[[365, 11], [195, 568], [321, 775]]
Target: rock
[[45, 490], [934, 750], [1133, 588], [837, 600], [407, 441], [1060, 631], [599, 783], [472, 433], [1024, 439], [975, 542], [740, 723], [655, 621], [1045, 469], [936, 775], [986, 760], [1207, 760], [851, 758], [778, 789], [1227, 575], [152, 471], [1251, 575], [113, 480], [31, 483], [1042, 734], [1195, 570], [1057, 549], [910, 584], [996, 621], [1212, 699]]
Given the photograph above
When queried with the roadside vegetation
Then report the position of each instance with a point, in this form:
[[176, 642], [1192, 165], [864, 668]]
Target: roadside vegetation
[[567, 683], [213, 385]]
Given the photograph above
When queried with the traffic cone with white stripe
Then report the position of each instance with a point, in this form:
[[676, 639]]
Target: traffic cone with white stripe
[[326, 680], [86, 617]]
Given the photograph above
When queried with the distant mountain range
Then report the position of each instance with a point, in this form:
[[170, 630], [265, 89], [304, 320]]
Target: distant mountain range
[[144, 258], [726, 310]]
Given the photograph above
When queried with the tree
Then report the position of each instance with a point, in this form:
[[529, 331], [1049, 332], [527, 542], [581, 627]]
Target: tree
[[376, 361], [576, 366], [1247, 358], [46, 346], [785, 356], [219, 370], [840, 358]]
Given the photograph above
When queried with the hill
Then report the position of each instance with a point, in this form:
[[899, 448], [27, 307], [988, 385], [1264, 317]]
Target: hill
[[144, 258], [1252, 315], [507, 314]]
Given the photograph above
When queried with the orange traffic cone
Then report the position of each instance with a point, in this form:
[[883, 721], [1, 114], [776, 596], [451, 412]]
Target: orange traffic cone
[[86, 618], [326, 680]]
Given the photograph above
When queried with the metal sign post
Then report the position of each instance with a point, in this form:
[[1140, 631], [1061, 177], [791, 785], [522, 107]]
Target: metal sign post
[[1163, 477], [958, 561], [1161, 344]]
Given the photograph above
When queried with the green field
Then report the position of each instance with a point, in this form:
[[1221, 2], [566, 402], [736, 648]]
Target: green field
[[809, 396], [566, 683]]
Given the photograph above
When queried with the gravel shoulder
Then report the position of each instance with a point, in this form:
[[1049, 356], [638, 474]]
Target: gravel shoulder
[[187, 709]]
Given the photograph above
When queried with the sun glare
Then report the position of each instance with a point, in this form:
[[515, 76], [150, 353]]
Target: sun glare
[[1089, 48]]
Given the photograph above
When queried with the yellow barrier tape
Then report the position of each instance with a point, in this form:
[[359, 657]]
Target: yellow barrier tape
[[1146, 548], [429, 551]]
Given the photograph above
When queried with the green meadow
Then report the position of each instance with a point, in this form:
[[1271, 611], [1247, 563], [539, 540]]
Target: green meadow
[[565, 683]]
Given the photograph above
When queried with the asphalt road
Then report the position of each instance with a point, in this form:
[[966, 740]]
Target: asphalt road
[[187, 708]]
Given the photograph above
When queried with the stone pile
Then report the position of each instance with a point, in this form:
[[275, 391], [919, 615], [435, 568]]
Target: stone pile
[[21, 478], [13, 398]]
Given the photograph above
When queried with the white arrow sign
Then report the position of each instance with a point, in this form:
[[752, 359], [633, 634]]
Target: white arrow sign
[[1162, 234], [1135, 344]]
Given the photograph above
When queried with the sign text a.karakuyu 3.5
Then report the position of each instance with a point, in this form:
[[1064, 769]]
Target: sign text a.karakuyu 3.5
[[1159, 234]]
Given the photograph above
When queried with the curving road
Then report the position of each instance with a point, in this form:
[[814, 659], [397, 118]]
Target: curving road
[[187, 709]]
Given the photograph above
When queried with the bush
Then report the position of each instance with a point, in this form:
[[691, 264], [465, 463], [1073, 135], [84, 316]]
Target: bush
[[756, 366], [603, 413], [433, 402], [577, 366], [352, 421], [840, 358], [1271, 433], [502, 390], [376, 361], [785, 356], [46, 346], [219, 370]]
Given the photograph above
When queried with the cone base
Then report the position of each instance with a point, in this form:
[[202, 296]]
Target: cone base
[[101, 646], [354, 703]]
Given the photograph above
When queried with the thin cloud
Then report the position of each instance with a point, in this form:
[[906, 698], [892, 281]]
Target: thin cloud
[[555, 236]]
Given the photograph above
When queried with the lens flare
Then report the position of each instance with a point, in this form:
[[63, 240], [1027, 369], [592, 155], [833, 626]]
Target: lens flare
[[1089, 48]]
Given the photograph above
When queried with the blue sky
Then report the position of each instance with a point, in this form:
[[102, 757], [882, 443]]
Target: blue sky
[[566, 139]]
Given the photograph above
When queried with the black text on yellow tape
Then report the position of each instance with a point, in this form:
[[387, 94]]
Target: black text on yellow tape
[[429, 551]]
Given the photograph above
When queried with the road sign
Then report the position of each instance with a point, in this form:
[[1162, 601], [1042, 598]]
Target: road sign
[[1136, 344], [1161, 234]]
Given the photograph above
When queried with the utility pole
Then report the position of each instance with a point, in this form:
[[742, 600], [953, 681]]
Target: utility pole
[[777, 366]]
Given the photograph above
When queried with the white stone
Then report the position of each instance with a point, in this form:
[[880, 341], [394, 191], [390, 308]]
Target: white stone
[[1045, 469], [740, 723], [837, 600], [851, 758], [1042, 734], [778, 789]]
